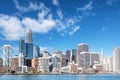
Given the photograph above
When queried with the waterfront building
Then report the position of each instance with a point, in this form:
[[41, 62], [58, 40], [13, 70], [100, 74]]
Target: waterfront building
[[7, 57], [15, 62], [73, 67], [1, 62], [21, 59], [28, 62], [84, 60], [35, 64], [56, 63], [98, 68], [116, 59], [43, 64]]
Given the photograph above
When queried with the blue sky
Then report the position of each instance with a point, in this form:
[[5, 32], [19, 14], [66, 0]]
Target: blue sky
[[62, 24]]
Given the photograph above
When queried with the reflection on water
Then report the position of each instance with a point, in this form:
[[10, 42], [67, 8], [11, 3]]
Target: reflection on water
[[61, 77]]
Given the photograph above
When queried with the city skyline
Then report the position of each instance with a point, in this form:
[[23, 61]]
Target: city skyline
[[61, 25]]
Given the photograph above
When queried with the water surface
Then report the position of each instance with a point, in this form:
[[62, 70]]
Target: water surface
[[62, 77]]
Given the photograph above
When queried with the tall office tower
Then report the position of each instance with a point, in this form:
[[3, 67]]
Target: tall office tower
[[83, 47], [36, 51], [68, 55], [28, 36], [94, 58], [7, 49], [101, 56], [28, 50], [84, 60], [21, 46], [74, 55], [109, 64], [116, 59]]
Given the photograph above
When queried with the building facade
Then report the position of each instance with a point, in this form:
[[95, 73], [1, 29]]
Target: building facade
[[36, 51], [7, 57], [28, 36], [116, 60], [83, 47], [74, 55]]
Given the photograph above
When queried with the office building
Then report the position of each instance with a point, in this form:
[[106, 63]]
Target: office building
[[68, 55], [21, 46], [36, 51], [94, 58], [21, 59], [15, 62], [74, 55], [28, 50], [83, 47], [84, 60], [28, 36], [116, 59], [7, 57]]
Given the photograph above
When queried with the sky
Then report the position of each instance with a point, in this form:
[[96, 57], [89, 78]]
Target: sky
[[61, 24]]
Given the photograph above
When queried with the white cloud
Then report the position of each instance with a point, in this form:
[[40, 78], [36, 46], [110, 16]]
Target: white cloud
[[75, 29], [87, 7], [42, 26], [11, 27], [60, 14], [30, 7], [111, 2], [55, 2]]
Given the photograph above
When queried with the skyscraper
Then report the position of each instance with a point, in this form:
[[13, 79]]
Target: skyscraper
[[116, 59], [36, 51], [83, 47], [7, 49], [74, 55], [21, 46], [68, 55], [28, 46], [28, 36]]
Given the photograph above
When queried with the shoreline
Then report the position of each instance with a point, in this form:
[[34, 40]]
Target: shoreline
[[56, 74]]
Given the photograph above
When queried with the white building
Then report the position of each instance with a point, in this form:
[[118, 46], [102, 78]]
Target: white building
[[45, 54], [116, 60], [28, 36], [7, 49], [56, 62], [43, 64], [108, 62], [57, 54], [21, 59]]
